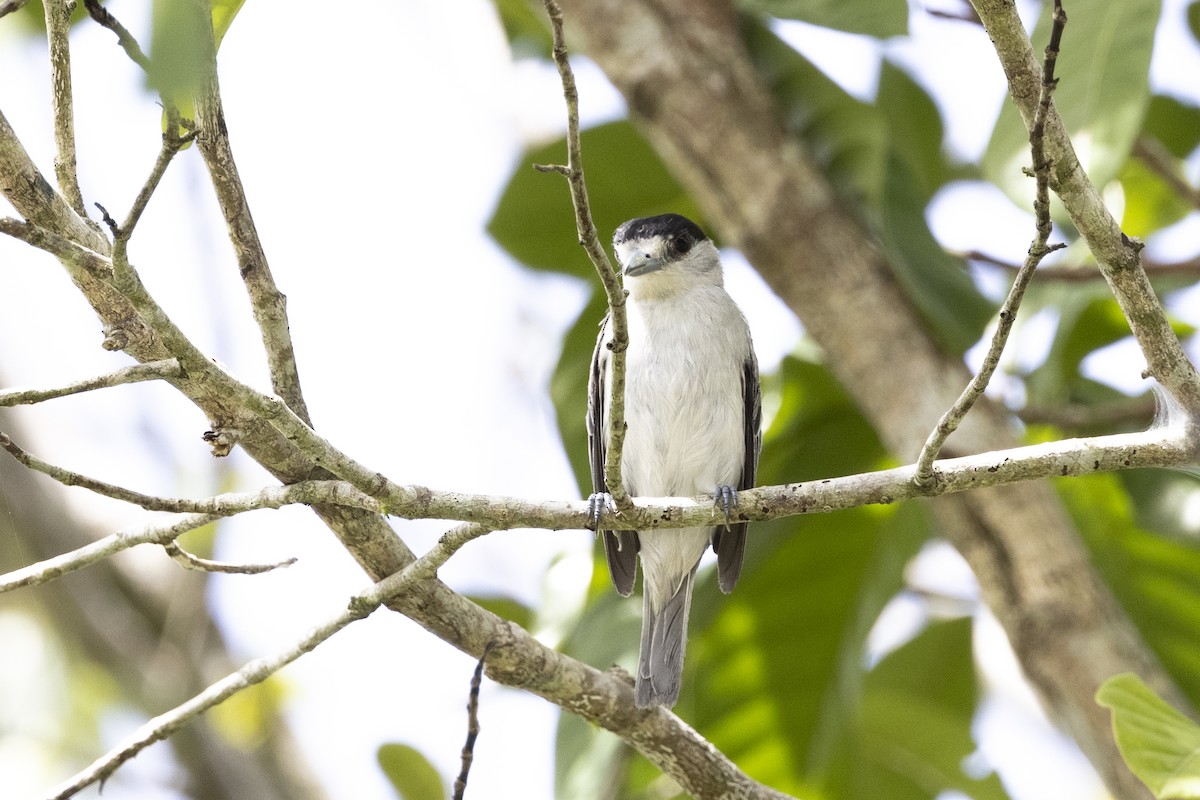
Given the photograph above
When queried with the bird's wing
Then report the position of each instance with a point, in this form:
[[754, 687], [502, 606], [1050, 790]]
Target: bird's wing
[[730, 543], [619, 546]]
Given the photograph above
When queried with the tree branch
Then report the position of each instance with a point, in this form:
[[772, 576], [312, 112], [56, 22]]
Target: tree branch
[[1038, 249], [124, 38], [1165, 446], [222, 505], [268, 303], [1117, 255], [155, 370], [172, 143], [193, 562], [1189, 268], [258, 670], [586, 229], [58, 25], [94, 552], [9, 6], [35, 199]]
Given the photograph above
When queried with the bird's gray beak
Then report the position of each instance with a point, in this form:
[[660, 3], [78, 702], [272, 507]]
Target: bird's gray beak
[[641, 263]]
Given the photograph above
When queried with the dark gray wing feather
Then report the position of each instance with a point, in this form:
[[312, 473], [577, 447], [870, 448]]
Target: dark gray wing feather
[[620, 547], [730, 543]]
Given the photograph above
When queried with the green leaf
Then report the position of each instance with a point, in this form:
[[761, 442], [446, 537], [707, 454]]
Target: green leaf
[[177, 60], [534, 220], [1150, 202], [1153, 576], [1102, 95], [1089, 318], [774, 670], [914, 128], [1193, 20], [176, 54], [1173, 123], [914, 730], [845, 136], [526, 29], [880, 18], [247, 718], [937, 283], [888, 158], [569, 385], [410, 773], [506, 608], [1159, 744], [223, 12]]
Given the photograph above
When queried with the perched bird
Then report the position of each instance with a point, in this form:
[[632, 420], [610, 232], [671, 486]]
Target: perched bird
[[693, 416]]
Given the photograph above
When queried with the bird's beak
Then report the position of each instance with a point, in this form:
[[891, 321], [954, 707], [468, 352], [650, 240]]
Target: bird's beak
[[640, 263]]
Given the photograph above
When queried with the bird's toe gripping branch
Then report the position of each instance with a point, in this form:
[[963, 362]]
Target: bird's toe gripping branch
[[726, 499], [598, 503]]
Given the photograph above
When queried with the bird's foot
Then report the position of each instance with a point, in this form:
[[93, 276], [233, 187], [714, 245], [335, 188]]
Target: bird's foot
[[598, 503], [726, 499]]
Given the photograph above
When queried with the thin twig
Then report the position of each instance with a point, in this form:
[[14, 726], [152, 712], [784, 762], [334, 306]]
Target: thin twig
[[1162, 163], [267, 302], [150, 371], [57, 566], [224, 505], [1038, 250], [1138, 411], [9, 6], [172, 143], [1188, 268], [588, 238], [258, 670], [468, 751], [190, 561], [58, 25], [1118, 255], [126, 39]]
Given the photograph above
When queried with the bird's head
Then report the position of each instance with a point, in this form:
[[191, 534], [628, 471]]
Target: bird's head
[[663, 255]]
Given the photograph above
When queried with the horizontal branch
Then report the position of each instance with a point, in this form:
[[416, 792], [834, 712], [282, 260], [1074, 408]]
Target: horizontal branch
[[155, 370], [1167, 446], [56, 567], [1158, 447], [222, 505], [194, 562], [1187, 268]]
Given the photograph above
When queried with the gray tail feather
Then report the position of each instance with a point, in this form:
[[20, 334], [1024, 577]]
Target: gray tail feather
[[664, 639]]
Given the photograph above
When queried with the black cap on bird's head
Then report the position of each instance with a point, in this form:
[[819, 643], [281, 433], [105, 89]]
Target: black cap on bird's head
[[666, 225], [648, 244]]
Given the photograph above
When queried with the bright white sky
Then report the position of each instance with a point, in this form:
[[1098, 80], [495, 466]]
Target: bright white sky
[[373, 146]]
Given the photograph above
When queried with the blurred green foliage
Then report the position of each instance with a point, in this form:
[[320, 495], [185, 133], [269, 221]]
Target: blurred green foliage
[[410, 773], [779, 675]]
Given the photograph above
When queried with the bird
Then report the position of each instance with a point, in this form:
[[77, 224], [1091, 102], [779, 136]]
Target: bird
[[693, 417]]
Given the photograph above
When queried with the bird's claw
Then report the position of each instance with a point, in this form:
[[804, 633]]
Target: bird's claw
[[598, 503], [726, 499]]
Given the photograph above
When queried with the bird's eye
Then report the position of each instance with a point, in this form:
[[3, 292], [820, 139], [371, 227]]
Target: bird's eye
[[682, 244]]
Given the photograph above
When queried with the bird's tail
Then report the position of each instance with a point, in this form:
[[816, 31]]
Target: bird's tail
[[664, 638]]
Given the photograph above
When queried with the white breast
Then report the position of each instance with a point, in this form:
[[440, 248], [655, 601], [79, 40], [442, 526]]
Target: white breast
[[683, 394]]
